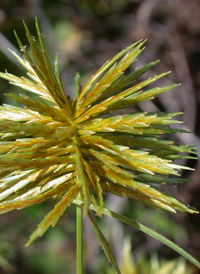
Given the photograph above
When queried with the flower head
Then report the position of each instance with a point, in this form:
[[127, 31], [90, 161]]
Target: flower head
[[61, 148]]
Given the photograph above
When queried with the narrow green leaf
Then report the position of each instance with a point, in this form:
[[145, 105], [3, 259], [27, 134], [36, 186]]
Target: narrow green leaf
[[104, 243], [153, 234], [148, 231]]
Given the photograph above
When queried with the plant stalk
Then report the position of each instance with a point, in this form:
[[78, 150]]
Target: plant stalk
[[79, 239]]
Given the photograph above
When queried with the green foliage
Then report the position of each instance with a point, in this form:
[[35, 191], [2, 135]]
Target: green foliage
[[104, 243]]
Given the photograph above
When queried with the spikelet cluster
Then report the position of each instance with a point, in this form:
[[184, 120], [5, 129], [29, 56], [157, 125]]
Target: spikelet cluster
[[61, 148]]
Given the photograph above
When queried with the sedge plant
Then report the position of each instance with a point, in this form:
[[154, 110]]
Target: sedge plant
[[77, 150]]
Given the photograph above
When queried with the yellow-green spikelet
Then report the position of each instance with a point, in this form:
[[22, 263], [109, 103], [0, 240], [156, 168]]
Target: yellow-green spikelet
[[59, 147]]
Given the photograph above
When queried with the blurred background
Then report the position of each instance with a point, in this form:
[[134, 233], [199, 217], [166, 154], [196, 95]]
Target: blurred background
[[86, 33]]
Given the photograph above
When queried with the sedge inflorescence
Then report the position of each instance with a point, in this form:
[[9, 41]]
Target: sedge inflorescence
[[63, 148]]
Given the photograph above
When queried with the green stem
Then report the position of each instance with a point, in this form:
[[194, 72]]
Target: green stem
[[79, 239]]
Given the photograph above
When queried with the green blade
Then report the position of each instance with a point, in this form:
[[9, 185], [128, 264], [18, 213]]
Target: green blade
[[148, 231], [153, 234], [104, 243]]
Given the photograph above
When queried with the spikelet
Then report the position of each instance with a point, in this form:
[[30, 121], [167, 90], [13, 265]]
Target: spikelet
[[58, 147]]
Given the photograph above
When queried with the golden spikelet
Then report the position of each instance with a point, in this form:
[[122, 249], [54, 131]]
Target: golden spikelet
[[59, 147]]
